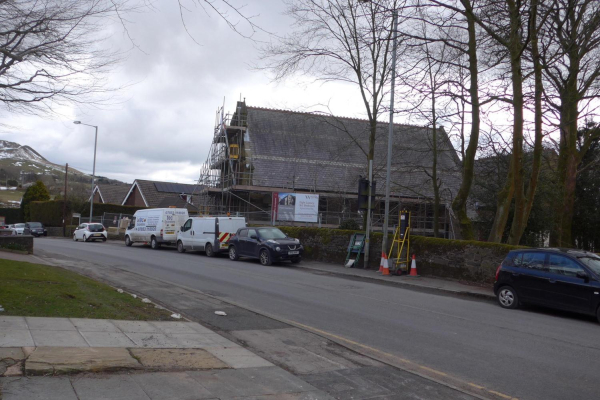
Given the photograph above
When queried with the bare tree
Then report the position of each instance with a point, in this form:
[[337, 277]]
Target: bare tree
[[340, 40], [51, 52], [571, 65]]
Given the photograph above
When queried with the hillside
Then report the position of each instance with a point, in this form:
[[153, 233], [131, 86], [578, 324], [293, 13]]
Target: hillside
[[22, 165]]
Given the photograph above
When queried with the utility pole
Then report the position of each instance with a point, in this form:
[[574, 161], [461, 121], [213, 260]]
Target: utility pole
[[65, 202], [386, 216], [368, 233]]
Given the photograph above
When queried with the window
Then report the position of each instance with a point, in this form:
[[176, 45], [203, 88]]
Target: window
[[271, 233], [592, 262], [531, 260], [562, 265], [251, 232], [243, 233], [187, 226]]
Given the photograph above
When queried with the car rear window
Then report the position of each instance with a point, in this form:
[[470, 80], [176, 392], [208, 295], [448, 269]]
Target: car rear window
[[96, 227]]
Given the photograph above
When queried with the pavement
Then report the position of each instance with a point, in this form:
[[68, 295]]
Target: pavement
[[242, 355], [420, 283]]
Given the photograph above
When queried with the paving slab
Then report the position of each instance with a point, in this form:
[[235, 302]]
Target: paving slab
[[238, 357], [10, 356], [9, 322], [58, 339], [107, 339], [15, 338], [37, 388], [61, 360], [50, 324], [171, 386], [94, 325], [193, 340], [153, 340], [136, 327], [112, 387], [183, 359], [175, 327]]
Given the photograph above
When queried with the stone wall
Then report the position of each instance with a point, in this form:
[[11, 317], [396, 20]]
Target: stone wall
[[58, 231], [464, 260], [20, 244]]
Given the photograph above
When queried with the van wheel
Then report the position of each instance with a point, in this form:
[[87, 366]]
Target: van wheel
[[128, 241], [154, 243], [265, 258], [209, 250], [180, 247], [507, 297], [233, 254]]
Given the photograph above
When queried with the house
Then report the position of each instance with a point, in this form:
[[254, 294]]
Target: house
[[110, 194], [258, 151], [157, 194]]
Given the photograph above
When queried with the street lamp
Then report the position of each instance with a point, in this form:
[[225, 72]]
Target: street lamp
[[386, 216], [94, 168]]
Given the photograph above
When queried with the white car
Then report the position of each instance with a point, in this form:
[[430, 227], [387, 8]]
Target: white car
[[90, 232], [21, 229]]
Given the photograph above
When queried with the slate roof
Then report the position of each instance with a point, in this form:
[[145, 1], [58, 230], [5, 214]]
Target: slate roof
[[176, 201], [113, 194], [308, 152], [154, 197]]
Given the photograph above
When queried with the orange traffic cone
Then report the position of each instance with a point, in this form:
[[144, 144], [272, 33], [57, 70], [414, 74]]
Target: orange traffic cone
[[381, 262], [386, 267], [413, 267]]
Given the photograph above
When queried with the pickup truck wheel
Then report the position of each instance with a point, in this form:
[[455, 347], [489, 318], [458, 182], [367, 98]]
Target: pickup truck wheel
[[209, 250], [128, 241], [154, 243], [265, 257], [180, 247], [233, 254]]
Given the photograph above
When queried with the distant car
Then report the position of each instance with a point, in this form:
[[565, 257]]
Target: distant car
[[37, 229], [90, 232], [566, 279], [268, 244], [21, 229]]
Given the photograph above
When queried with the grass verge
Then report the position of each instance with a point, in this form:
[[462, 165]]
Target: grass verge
[[35, 290]]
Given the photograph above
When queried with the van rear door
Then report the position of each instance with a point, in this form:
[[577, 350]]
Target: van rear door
[[228, 226]]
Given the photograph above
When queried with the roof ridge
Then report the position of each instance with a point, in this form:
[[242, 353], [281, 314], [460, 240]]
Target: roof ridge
[[318, 113]]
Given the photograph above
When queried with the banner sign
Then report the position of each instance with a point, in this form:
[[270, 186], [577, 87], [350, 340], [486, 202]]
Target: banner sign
[[297, 207]]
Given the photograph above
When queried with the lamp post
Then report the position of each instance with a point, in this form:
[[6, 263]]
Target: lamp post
[[94, 168], [386, 216]]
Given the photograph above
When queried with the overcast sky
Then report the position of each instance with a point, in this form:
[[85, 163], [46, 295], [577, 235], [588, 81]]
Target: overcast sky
[[163, 126]]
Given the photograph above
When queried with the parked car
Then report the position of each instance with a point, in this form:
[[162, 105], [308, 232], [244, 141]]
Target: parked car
[[209, 234], [268, 244], [21, 229], [564, 279], [90, 232], [37, 229], [156, 226]]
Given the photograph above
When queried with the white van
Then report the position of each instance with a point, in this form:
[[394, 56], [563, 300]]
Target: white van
[[209, 234], [155, 226]]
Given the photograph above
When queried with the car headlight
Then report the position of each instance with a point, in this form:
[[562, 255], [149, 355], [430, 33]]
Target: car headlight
[[278, 248]]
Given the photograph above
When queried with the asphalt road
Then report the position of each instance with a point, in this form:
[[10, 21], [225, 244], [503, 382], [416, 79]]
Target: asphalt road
[[526, 354]]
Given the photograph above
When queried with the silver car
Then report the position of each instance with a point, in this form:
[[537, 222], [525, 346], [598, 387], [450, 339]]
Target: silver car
[[21, 229]]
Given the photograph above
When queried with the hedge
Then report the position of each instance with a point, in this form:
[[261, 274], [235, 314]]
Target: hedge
[[50, 213], [11, 215]]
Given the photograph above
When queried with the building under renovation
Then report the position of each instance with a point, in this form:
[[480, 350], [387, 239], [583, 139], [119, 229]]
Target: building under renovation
[[264, 162]]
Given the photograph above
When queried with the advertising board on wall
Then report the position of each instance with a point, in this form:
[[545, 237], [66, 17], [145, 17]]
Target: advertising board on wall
[[297, 207]]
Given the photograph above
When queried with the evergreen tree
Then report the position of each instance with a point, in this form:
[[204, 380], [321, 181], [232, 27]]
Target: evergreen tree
[[36, 192]]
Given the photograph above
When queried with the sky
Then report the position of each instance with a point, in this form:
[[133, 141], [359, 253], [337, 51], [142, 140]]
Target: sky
[[161, 124]]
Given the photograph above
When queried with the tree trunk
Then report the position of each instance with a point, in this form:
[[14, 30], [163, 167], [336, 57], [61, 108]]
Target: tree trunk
[[459, 205], [520, 221], [503, 207]]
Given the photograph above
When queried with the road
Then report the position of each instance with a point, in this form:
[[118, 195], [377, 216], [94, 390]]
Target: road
[[525, 354]]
